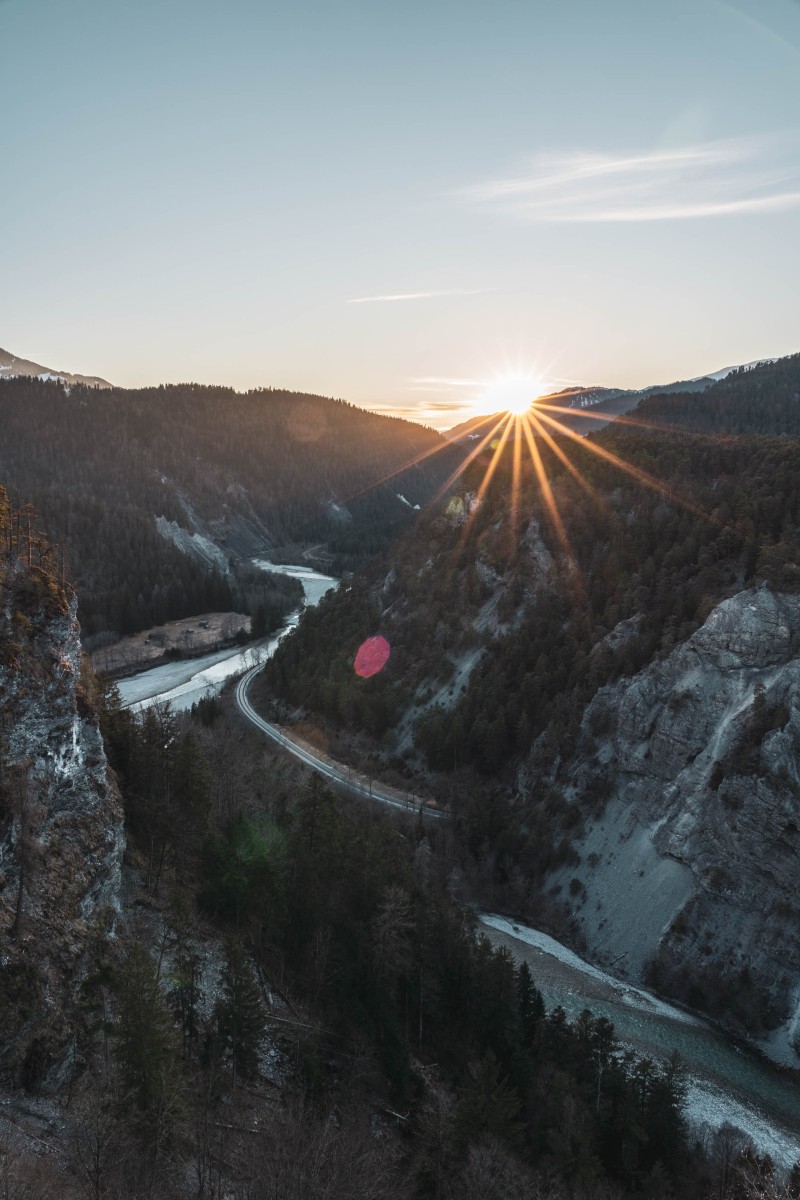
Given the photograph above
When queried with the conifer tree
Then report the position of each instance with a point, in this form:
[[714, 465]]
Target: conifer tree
[[531, 1005], [488, 1104], [146, 1049], [240, 1013]]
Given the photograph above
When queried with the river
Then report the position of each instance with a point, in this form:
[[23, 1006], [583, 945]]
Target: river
[[186, 681], [725, 1081]]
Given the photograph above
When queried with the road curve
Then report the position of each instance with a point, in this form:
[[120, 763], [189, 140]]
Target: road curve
[[329, 770]]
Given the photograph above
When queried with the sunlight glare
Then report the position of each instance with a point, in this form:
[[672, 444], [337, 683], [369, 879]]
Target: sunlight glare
[[511, 393]]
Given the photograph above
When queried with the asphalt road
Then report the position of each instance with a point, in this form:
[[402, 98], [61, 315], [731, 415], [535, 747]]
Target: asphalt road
[[342, 776]]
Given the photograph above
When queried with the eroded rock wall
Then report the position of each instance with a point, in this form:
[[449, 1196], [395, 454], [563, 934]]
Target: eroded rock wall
[[61, 829], [689, 872]]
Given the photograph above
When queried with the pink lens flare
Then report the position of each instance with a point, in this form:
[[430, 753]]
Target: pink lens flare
[[372, 656]]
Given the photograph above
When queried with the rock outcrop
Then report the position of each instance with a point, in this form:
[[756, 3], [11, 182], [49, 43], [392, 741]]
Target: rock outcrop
[[61, 830], [688, 875]]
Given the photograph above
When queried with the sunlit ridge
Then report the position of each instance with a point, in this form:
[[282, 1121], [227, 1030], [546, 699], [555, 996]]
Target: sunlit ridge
[[529, 426], [523, 427]]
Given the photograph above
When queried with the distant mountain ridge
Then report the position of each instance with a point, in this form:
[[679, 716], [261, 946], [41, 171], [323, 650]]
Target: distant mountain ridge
[[726, 371], [12, 367], [603, 401]]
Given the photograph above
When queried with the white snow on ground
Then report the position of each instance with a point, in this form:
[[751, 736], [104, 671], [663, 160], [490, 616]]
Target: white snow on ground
[[709, 1104], [408, 502], [632, 996], [708, 1107], [726, 371], [185, 682]]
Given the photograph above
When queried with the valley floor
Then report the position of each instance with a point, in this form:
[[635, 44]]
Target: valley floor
[[189, 637]]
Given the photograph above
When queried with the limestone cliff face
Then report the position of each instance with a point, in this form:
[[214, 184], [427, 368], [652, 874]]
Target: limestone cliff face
[[690, 872], [61, 831]]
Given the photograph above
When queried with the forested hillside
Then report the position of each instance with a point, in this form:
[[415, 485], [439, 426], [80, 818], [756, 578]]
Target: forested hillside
[[719, 514], [245, 471], [279, 995], [382, 996], [12, 367], [764, 399], [621, 662]]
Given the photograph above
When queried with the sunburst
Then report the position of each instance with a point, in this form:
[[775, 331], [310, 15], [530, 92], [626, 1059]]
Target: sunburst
[[537, 427], [512, 393], [528, 419]]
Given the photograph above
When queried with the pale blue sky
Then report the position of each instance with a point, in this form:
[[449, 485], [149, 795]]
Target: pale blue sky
[[604, 193]]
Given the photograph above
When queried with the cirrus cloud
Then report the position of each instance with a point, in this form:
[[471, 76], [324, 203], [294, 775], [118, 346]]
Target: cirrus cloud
[[392, 297], [710, 179]]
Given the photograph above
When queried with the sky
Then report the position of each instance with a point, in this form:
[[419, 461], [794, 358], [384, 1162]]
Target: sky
[[399, 204]]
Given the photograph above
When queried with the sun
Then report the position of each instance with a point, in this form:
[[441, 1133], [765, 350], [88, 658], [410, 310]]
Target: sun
[[511, 393]]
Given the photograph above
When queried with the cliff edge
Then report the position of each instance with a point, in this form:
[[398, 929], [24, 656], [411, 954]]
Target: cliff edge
[[688, 876], [61, 828]]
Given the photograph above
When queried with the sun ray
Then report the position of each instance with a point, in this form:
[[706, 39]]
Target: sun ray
[[411, 462], [516, 478], [544, 484], [473, 454], [607, 418], [498, 454], [573, 470], [622, 419], [489, 472], [637, 473]]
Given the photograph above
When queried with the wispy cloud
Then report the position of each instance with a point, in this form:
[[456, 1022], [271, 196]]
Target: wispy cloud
[[391, 298], [420, 407], [437, 413], [710, 179], [439, 383]]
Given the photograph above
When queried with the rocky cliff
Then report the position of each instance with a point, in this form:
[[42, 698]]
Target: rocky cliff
[[61, 832], [688, 874]]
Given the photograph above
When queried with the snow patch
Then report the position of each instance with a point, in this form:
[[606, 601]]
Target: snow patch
[[337, 512], [709, 1104], [183, 683], [708, 1107], [726, 371], [633, 997]]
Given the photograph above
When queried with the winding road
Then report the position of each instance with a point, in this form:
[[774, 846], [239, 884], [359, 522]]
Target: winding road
[[342, 776], [726, 1084]]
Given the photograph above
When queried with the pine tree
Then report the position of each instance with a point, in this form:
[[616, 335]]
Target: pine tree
[[531, 1006], [240, 1014], [488, 1104], [146, 1049], [186, 995]]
